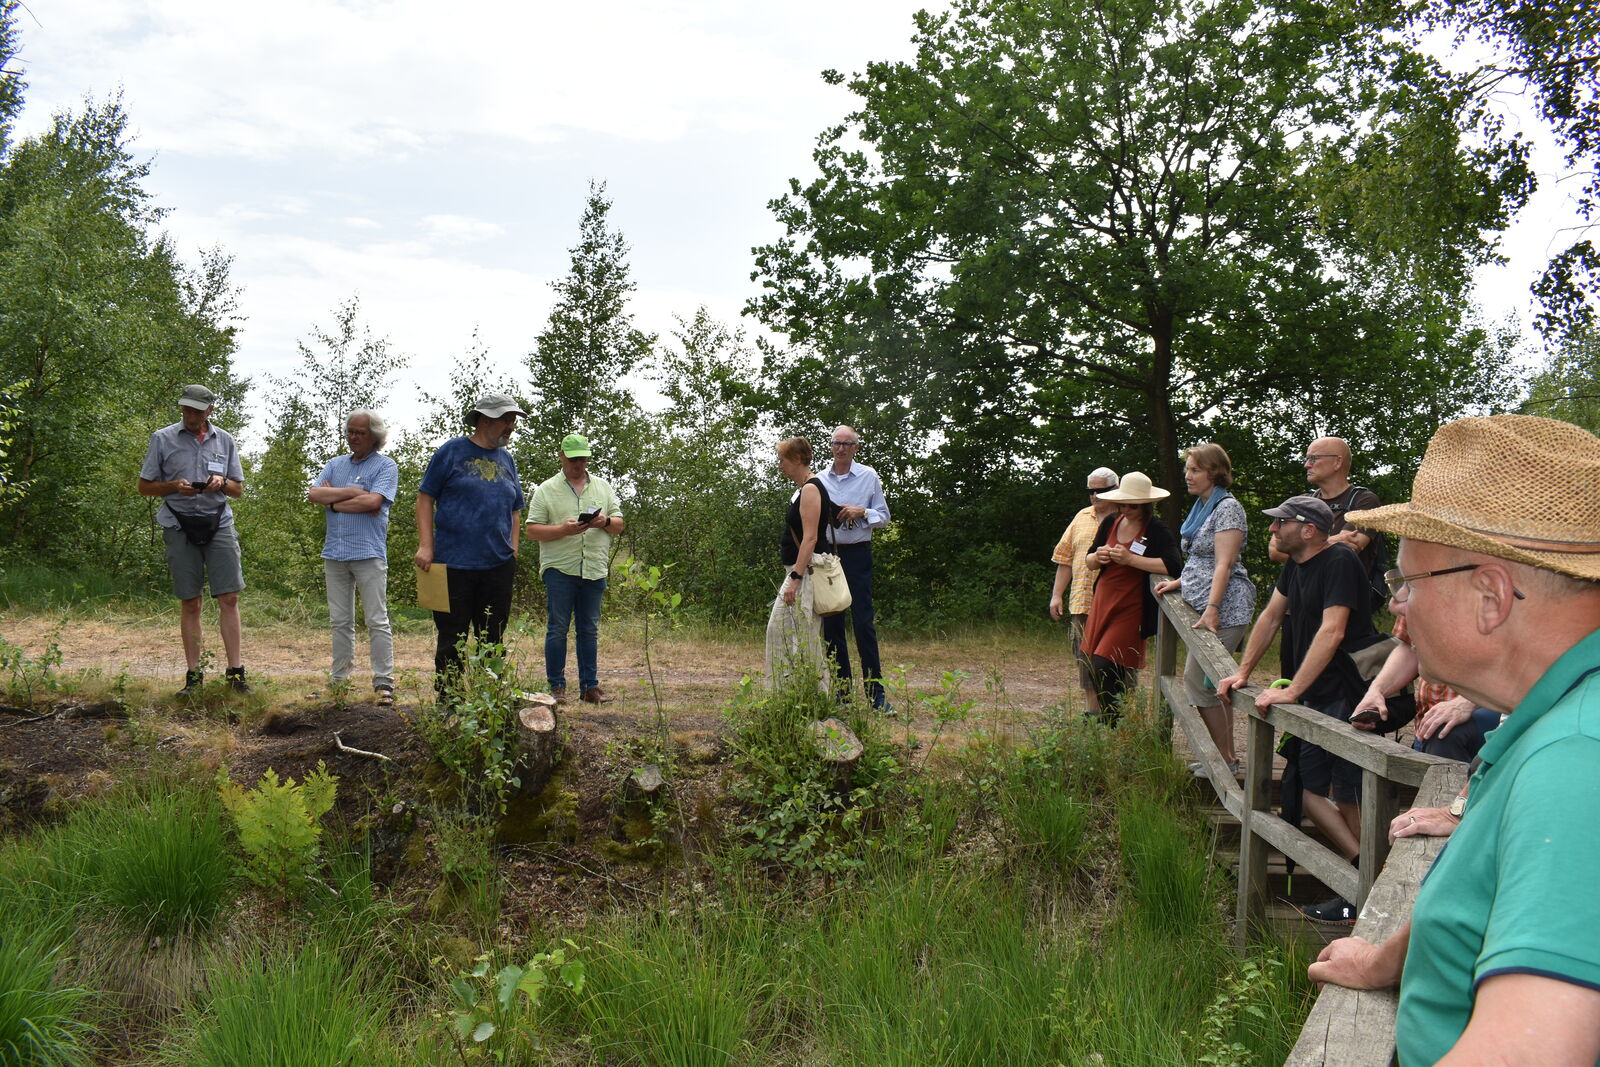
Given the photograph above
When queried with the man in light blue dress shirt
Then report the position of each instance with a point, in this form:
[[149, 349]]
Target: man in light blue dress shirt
[[356, 490], [855, 488]]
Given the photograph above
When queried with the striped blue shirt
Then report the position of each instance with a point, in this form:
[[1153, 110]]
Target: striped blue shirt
[[364, 535]]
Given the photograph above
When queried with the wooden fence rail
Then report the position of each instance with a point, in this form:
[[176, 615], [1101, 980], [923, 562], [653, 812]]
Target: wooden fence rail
[[1345, 1027]]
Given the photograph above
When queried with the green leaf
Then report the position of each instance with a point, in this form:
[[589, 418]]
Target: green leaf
[[483, 1032]]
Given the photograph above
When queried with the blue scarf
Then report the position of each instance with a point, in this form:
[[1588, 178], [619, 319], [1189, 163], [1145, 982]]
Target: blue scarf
[[1201, 512]]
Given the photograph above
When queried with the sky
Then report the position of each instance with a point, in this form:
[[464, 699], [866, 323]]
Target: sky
[[434, 159]]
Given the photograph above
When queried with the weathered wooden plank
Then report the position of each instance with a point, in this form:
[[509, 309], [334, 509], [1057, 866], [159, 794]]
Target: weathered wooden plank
[[1252, 902], [1355, 1028], [1227, 788]]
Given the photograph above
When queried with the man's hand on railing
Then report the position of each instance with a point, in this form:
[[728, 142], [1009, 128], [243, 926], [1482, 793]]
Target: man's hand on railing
[[1356, 963], [1423, 822]]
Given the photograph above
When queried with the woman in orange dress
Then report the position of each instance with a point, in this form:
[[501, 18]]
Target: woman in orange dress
[[1129, 547]]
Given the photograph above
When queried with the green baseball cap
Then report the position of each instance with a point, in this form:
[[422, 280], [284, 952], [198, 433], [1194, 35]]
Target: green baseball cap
[[575, 445]]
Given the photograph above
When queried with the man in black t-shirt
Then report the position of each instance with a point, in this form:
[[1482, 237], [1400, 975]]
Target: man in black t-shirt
[[1321, 604]]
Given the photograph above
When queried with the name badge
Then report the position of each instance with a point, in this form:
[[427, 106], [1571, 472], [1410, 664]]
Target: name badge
[[1137, 548], [215, 466]]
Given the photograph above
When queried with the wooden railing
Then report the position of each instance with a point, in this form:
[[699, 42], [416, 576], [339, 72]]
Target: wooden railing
[[1345, 1027]]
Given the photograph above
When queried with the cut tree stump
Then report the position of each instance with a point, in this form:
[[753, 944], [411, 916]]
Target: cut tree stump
[[837, 746], [538, 743]]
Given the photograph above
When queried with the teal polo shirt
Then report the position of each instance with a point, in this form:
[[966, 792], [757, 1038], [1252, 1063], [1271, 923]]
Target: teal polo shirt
[[1514, 890], [586, 555]]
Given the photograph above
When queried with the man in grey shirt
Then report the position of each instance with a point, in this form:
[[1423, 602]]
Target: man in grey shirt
[[194, 467]]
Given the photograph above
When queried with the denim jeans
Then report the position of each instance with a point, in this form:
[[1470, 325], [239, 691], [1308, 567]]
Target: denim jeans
[[371, 578], [857, 563], [572, 600]]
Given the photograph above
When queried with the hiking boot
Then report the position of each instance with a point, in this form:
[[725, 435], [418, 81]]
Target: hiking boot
[[192, 681], [560, 693], [596, 695], [1336, 912], [235, 676]]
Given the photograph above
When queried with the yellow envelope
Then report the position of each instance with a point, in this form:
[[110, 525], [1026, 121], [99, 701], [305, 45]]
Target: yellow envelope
[[433, 588]]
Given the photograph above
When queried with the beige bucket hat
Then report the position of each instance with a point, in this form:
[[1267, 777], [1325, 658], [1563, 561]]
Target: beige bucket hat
[[1517, 487], [1135, 488]]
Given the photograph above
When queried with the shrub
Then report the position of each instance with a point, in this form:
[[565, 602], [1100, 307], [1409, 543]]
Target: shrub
[[278, 828]]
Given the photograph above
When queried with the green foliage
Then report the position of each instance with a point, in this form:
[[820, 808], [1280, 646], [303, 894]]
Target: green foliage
[[28, 678], [299, 1006], [152, 856], [472, 727], [495, 1015], [1169, 871], [278, 826], [1568, 388], [39, 1019], [796, 811]]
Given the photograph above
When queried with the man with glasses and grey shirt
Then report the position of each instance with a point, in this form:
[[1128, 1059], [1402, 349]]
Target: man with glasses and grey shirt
[[194, 467], [356, 490], [1070, 558], [855, 488], [1328, 468]]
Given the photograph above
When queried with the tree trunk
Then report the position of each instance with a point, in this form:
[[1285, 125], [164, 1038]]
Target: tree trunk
[[837, 746], [538, 744]]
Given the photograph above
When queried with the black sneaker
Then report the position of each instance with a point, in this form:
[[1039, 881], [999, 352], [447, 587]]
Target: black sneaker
[[235, 676], [1336, 912], [192, 681]]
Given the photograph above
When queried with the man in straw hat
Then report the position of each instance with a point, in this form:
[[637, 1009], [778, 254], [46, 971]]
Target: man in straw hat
[[1499, 581]]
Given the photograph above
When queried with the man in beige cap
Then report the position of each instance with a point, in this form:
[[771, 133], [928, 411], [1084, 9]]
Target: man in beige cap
[[1499, 582], [1071, 559]]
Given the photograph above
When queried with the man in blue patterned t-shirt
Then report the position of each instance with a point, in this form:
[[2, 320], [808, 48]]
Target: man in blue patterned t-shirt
[[356, 490]]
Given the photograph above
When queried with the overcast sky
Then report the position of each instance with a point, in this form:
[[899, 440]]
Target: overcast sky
[[434, 159]]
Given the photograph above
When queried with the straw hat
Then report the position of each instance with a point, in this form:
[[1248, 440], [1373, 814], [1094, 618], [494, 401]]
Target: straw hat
[[1135, 488], [1517, 487]]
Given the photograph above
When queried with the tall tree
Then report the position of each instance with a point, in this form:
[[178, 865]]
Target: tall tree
[[101, 323], [342, 368], [1138, 218], [588, 346]]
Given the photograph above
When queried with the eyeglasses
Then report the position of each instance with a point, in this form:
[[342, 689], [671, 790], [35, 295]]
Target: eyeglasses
[[1102, 489], [1398, 582], [844, 444], [1313, 457]]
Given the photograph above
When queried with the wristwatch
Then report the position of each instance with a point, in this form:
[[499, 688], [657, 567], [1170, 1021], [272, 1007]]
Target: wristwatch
[[795, 576], [1458, 807]]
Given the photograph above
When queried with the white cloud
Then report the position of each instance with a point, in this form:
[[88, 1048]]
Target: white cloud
[[459, 229]]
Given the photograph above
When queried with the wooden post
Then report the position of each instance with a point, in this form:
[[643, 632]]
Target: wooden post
[[1166, 667], [1378, 809], [1252, 903]]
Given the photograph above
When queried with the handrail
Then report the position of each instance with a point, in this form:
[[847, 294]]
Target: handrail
[[1383, 764], [1346, 1027]]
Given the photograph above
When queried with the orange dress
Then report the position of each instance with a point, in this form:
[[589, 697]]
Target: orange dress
[[1112, 630]]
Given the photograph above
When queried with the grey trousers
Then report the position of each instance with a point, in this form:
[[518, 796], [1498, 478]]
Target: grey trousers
[[371, 578]]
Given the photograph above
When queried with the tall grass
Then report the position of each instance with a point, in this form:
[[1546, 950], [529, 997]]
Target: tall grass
[[297, 1006], [39, 1019], [155, 857]]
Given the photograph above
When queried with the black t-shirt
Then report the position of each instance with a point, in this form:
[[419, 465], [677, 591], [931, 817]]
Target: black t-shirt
[[794, 530], [1333, 577]]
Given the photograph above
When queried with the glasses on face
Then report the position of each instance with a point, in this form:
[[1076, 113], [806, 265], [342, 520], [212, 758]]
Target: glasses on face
[[1102, 489], [1399, 584], [1313, 457], [844, 444]]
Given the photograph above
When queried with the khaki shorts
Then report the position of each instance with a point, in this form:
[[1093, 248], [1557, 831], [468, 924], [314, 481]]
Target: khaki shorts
[[1202, 691], [191, 565], [1075, 625]]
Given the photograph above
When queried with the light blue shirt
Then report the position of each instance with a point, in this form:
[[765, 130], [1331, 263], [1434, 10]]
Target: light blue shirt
[[363, 535], [857, 487]]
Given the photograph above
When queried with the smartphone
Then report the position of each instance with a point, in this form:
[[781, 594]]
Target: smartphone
[[1368, 717], [587, 517]]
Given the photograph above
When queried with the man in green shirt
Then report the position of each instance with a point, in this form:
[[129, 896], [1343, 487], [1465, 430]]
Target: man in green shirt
[[574, 516], [1499, 583]]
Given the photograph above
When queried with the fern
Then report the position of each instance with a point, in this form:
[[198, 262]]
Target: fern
[[278, 827]]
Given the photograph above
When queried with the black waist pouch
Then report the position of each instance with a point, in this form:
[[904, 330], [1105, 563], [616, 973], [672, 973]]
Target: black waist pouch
[[198, 529]]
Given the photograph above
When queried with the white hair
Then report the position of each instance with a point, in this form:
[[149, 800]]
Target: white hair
[[1105, 473], [379, 428]]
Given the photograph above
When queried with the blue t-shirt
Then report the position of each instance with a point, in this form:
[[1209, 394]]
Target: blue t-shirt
[[353, 536], [476, 492]]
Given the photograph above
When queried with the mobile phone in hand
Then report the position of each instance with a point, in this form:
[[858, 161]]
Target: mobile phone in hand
[[587, 517], [1368, 717]]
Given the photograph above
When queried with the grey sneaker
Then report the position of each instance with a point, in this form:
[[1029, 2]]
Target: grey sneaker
[[1199, 770]]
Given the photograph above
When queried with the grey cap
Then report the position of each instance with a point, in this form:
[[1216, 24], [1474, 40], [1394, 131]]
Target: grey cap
[[198, 397], [1304, 508], [497, 406]]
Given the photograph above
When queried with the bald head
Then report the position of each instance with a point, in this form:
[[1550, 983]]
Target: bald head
[[1328, 464], [845, 442]]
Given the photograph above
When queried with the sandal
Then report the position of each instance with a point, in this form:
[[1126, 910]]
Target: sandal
[[385, 698]]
